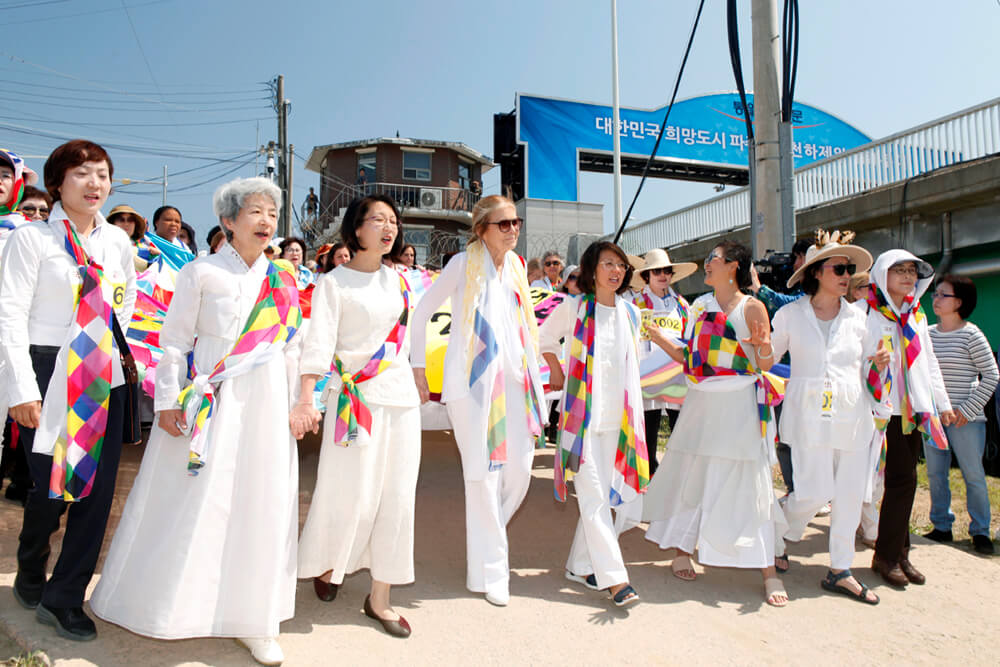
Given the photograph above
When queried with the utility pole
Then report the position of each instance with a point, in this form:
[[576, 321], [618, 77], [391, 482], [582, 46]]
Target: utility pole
[[282, 142], [288, 194], [616, 116], [770, 229]]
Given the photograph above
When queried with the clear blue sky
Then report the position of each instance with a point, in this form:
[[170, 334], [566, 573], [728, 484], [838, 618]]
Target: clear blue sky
[[186, 77]]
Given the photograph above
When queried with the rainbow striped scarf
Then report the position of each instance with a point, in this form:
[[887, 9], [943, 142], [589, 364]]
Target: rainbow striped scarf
[[928, 423], [715, 351], [631, 470], [352, 409], [272, 323], [88, 390], [644, 300]]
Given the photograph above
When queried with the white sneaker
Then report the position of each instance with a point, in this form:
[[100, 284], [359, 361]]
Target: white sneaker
[[824, 510], [498, 598], [264, 650]]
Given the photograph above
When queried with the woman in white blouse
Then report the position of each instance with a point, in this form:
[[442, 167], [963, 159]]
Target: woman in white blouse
[[492, 384], [361, 514], [213, 555], [39, 287], [827, 417]]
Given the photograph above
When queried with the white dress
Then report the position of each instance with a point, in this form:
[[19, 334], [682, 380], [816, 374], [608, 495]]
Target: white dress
[[713, 489], [213, 554], [362, 510]]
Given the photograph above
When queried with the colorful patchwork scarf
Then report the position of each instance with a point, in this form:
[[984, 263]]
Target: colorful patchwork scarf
[[715, 351], [352, 409], [631, 469], [644, 300], [485, 367], [88, 367], [16, 191], [272, 323], [928, 423]]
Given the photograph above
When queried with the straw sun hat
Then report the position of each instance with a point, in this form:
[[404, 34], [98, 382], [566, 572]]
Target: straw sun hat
[[657, 258], [833, 244]]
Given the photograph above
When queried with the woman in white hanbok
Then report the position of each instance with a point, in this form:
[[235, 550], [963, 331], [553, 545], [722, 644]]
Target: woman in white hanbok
[[213, 555], [362, 511]]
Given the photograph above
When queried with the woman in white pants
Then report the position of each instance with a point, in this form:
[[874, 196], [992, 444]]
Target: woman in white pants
[[492, 384], [602, 444], [361, 514], [827, 417]]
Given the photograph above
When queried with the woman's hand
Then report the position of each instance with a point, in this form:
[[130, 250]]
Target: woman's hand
[[173, 422], [303, 417], [959, 419], [663, 341], [420, 379], [881, 358], [556, 377], [760, 336], [948, 417], [754, 279], [28, 415]]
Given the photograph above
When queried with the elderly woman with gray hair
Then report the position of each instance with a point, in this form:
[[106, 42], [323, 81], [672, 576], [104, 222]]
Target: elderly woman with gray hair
[[207, 543]]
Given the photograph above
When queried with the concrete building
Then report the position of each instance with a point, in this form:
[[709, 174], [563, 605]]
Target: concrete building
[[436, 184]]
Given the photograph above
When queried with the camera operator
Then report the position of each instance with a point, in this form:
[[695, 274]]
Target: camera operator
[[772, 299]]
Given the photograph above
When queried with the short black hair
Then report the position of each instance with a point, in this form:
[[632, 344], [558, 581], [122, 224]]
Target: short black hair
[[163, 209], [964, 289], [193, 245], [289, 240], [211, 234], [801, 247], [739, 253], [810, 277], [355, 215], [588, 267]]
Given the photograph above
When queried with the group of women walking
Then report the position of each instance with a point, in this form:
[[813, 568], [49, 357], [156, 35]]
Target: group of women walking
[[208, 543]]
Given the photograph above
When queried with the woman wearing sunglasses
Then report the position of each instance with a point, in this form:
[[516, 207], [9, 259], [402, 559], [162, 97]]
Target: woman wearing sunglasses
[[715, 493], [552, 266], [827, 415], [666, 305], [492, 384]]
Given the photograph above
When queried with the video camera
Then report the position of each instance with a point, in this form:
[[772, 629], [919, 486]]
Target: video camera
[[775, 268]]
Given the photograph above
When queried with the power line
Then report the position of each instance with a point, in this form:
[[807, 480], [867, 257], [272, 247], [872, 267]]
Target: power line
[[148, 150], [142, 51], [90, 13], [33, 4], [111, 105], [211, 122]]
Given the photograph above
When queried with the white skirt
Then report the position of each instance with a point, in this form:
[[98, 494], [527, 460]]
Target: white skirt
[[211, 555], [362, 510]]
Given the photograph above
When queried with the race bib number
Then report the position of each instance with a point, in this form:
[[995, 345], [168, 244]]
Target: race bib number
[[117, 295], [826, 400], [667, 321]]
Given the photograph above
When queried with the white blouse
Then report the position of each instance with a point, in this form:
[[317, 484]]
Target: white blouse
[[39, 282], [352, 314]]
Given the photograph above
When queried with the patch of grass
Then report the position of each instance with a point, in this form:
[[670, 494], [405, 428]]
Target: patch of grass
[[920, 521], [33, 659]]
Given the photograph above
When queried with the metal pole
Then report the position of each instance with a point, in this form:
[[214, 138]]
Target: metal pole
[[288, 198], [615, 114], [282, 142], [164, 185], [767, 115]]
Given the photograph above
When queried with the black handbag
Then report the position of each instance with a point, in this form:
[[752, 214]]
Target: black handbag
[[131, 426]]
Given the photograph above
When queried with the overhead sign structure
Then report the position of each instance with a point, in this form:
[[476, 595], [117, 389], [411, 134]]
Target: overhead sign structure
[[705, 139]]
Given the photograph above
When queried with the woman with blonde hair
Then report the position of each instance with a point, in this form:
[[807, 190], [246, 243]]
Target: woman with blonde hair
[[492, 384]]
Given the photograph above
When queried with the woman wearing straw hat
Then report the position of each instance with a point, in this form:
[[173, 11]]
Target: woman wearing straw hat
[[134, 225], [827, 419], [659, 273]]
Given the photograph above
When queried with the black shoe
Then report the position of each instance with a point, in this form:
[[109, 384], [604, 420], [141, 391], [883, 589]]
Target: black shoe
[[17, 491], [982, 544], [71, 623], [939, 535], [26, 598]]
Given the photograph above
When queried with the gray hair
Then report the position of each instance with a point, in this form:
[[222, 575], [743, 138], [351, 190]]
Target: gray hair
[[551, 253], [231, 197]]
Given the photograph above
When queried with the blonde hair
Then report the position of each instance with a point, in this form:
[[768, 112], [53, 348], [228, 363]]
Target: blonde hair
[[859, 279], [482, 210]]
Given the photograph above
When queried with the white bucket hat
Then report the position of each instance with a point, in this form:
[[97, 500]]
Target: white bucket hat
[[833, 244]]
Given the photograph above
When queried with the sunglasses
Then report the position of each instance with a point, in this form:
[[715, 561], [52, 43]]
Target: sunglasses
[[553, 263], [507, 225], [662, 272], [573, 276], [714, 255], [841, 269], [34, 209]]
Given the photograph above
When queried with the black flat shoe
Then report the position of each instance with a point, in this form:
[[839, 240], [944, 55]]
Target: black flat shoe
[[983, 544], [398, 628], [325, 591], [26, 598], [71, 623], [943, 536]]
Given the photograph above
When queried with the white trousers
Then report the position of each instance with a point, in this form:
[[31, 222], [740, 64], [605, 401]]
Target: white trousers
[[869, 511], [822, 474], [491, 496], [595, 547]]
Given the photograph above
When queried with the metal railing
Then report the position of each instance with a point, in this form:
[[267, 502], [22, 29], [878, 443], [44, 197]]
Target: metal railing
[[965, 135], [412, 196]]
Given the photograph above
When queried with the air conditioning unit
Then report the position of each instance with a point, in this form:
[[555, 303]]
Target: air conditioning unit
[[431, 198]]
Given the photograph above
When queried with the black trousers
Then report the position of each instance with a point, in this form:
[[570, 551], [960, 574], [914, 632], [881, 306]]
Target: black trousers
[[902, 453], [14, 462], [86, 519], [652, 419]]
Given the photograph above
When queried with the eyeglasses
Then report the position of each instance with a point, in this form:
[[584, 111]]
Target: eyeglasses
[[901, 270], [379, 221], [572, 276], [841, 269], [714, 255], [667, 271], [942, 295], [34, 209], [553, 262], [507, 225], [608, 265]]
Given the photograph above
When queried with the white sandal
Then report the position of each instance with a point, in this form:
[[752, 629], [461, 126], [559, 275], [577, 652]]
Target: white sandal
[[772, 588]]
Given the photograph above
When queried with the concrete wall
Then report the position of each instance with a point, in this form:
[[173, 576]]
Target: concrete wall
[[563, 226]]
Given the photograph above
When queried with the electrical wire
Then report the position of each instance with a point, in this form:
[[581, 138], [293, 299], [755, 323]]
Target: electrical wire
[[733, 30], [111, 106], [77, 14], [663, 125]]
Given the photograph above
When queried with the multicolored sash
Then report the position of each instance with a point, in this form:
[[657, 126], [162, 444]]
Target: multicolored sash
[[928, 423], [352, 409], [88, 389], [273, 321], [643, 300], [631, 458], [715, 351]]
